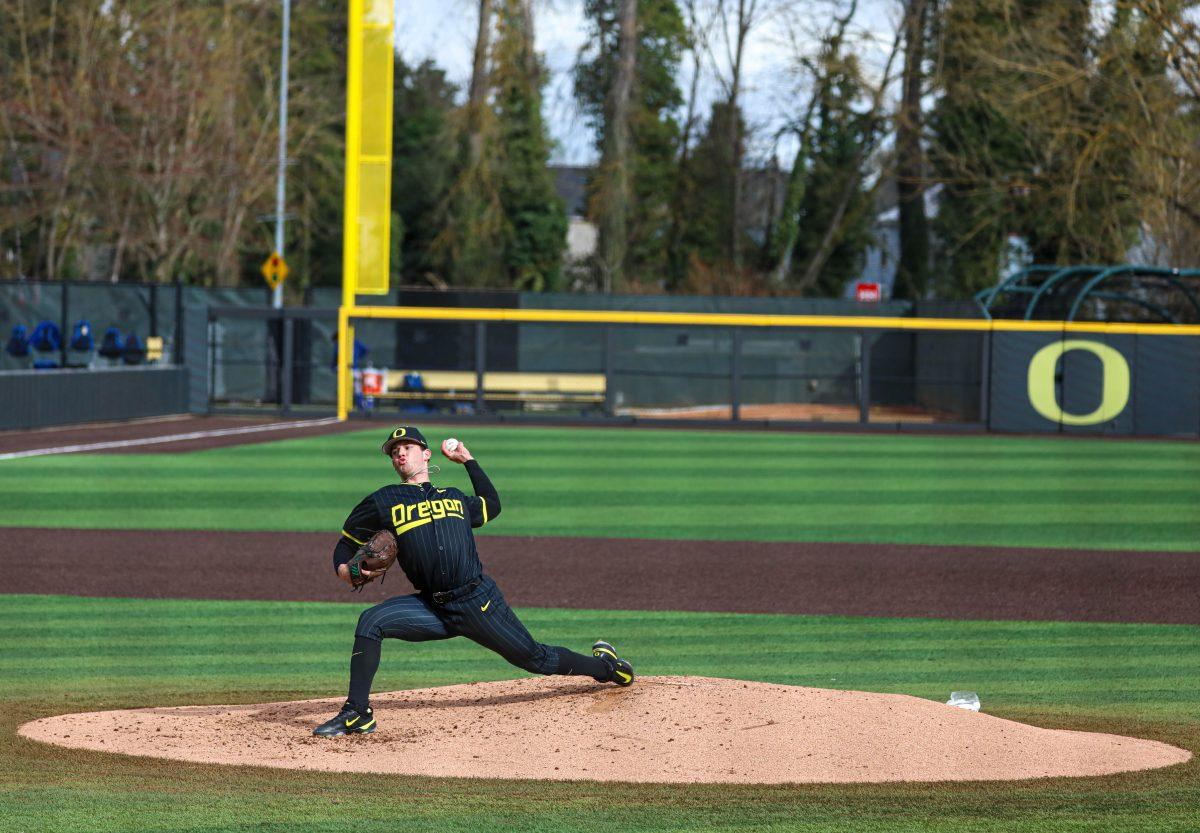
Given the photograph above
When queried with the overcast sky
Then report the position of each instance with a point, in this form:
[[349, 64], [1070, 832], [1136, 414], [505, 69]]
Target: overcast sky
[[773, 88]]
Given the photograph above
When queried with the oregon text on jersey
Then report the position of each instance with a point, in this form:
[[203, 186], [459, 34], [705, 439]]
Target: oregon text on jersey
[[426, 511]]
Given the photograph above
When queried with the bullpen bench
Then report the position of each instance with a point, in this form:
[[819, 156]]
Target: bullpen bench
[[533, 390]]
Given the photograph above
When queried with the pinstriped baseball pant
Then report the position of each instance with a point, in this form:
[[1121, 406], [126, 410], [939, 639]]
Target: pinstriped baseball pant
[[483, 617]]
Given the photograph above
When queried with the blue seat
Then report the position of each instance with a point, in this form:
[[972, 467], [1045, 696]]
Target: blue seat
[[81, 336], [18, 342], [112, 345], [46, 337], [134, 351]]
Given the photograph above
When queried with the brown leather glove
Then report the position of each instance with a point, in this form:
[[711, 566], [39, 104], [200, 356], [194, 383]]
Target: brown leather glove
[[375, 557]]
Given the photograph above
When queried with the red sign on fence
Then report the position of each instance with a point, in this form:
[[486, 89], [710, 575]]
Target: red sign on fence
[[867, 291]]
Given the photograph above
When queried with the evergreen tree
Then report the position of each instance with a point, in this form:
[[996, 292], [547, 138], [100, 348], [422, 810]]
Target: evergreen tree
[[977, 150], [534, 232], [1083, 207], [1050, 143], [1091, 197], [423, 158], [471, 217], [470, 220], [835, 164], [708, 208], [654, 128], [501, 223]]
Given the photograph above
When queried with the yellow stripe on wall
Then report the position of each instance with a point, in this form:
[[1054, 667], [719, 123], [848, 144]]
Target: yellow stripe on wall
[[694, 319]]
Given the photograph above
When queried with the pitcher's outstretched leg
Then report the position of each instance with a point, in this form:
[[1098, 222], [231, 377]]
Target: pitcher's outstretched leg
[[409, 618], [487, 619]]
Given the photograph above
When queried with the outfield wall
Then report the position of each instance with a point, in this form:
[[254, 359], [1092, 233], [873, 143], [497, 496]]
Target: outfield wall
[[1095, 383], [1079, 377], [887, 372]]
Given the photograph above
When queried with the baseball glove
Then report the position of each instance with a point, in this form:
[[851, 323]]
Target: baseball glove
[[375, 556]]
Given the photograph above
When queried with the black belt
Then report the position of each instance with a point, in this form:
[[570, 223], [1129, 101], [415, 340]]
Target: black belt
[[446, 596]]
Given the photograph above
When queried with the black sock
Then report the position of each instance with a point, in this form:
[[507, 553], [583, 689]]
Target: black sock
[[570, 662], [364, 662]]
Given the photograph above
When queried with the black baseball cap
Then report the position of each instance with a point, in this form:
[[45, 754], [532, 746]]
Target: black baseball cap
[[404, 434]]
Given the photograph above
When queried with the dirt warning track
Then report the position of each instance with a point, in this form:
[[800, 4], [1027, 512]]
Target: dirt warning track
[[638, 574]]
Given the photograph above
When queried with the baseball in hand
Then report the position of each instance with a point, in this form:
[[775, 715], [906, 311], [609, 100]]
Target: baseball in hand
[[450, 445]]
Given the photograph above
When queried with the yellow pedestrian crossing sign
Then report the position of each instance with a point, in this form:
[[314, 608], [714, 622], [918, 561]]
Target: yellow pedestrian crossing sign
[[275, 269]]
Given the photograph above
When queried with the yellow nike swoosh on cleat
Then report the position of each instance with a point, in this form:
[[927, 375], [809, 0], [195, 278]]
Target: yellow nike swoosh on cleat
[[368, 725], [486, 606], [624, 676], [351, 722]]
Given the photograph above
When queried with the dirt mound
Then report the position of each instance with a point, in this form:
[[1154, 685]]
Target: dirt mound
[[663, 729]]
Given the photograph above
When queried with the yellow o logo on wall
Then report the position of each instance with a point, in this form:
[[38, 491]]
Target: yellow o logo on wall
[[1114, 394]]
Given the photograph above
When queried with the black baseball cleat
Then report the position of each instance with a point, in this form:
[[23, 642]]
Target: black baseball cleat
[[622, 671], [349, 721]]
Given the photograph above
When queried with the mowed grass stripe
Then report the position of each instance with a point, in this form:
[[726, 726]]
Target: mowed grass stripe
[[609, 494], [84, 621], [1091, 494], [64, 653], [136, 795], [144, 648]]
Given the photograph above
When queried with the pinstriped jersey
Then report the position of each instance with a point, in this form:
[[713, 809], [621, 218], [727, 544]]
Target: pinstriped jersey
[[435, 545]]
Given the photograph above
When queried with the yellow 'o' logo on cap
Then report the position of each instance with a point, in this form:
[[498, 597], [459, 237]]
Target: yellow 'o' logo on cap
[[398, 433]]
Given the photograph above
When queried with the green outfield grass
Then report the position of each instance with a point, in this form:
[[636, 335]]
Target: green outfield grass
[[72, 654], [982, 491], [60, 654]]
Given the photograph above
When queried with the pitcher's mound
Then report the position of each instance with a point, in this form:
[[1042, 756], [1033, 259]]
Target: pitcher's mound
[[663, 729]]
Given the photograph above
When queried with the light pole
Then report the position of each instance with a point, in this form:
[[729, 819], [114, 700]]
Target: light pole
[[281, 181]]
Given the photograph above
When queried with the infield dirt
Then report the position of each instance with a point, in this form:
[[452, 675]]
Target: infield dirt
[[662, 730], [638, 574]]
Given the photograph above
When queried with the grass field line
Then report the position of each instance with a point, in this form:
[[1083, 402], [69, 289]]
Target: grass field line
[[169, 438]]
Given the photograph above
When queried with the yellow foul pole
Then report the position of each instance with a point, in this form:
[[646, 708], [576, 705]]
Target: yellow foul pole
[[367, 212]]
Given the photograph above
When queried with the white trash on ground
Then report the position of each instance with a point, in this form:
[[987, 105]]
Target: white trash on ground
[[964, 700]]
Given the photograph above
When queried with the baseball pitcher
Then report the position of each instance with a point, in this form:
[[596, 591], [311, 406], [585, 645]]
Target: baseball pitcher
[[427, 530]]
